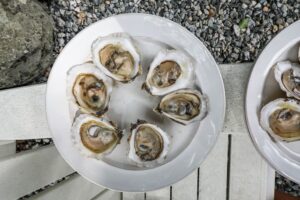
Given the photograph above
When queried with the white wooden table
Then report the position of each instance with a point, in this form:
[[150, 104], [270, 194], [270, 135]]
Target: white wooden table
[[233, 170]]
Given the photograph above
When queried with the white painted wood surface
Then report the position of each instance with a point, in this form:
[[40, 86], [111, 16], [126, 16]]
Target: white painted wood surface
[[22, 173], [7, 148], [108, 195], [248, 171], [162, 194], [75, 188], [213, 172], [25, 116], [133, 196], [235, 77], [246, 180], [187, 188], [268, 187]]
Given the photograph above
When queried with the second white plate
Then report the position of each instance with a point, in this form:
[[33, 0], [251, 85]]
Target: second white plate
[[263, 88]]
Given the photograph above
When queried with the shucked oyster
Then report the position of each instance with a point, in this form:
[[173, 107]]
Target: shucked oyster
[[88, 88], [170, 70], [117, 57], [287, 75], [93, 136], [148, 144], [281, 119], [183, 106]]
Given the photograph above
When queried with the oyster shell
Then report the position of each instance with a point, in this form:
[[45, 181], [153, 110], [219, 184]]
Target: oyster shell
[[88, 88], [287, 74], [281, 119], [148, 144], [170, 70], [117, 56], [184, 106], [94, 137]]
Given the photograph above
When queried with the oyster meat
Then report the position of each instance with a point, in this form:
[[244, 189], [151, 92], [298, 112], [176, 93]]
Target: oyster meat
[[183, 106], [89, 88], [117, 56], [170, 70], [148, 144], [281, 119], [287, 74], [94, 137]]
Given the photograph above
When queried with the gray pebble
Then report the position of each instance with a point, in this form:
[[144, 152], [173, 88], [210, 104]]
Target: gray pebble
[[244, 6], [89, 21], [69, 24], [247, 55], [236, 30], [96, 2], [258, 6], [62, 11], [77, 9], [61, 22], [61, 42], [75, 28], [102, 7], [289, 20], [235, 55], [61, 35], [284, 10]]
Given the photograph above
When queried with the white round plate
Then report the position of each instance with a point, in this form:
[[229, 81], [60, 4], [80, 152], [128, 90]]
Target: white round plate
[[190, 144], [263, 88]]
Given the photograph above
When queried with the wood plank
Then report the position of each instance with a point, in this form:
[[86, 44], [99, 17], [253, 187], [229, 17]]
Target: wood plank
[[270, 184], [7, 148], [108, 195], [235, 77], [23, 173], [133, 196], [249, 172], [186, 188], [213, 172], [25, 116], [75, 188], [162, 194]]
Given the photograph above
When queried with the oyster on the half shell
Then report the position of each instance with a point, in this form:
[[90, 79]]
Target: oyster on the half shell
[[170, 70], [88, 88], [94, 137], [287, 74], [117, 56], [281, 119], [148, 144], [184, 106]]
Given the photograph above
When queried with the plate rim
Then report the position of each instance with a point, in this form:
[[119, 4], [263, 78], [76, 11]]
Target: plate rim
[[218, 74]]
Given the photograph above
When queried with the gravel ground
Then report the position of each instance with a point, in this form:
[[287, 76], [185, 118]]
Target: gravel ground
[[234, 31]]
